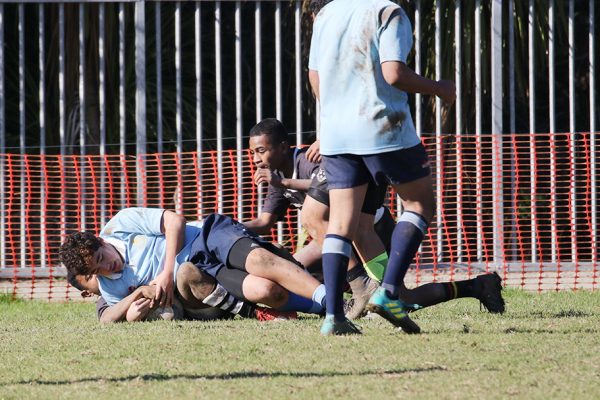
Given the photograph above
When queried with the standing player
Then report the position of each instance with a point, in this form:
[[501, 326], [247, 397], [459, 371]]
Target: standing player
[[358, 73]]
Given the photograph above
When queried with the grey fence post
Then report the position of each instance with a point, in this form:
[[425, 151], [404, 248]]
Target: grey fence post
[[140, 99], [497, 130]]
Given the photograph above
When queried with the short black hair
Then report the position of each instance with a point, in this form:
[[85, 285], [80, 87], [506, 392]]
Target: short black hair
[[71, 278], [271, 127], [316, 5]]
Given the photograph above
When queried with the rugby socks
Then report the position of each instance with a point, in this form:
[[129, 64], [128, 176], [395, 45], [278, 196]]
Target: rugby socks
[[336, 253], [406, 239], [376, 267], [302, 304], [221, 298], [458, 289]]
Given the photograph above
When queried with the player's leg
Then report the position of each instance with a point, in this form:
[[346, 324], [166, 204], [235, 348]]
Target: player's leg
[[309, 255], [315, 218], [271, 269], [486, 288], [337, 251], [419, 205], [200, 292], [409, 173], [254, 290]]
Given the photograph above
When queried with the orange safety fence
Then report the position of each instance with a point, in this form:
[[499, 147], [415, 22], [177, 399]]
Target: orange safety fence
[[525, 207]]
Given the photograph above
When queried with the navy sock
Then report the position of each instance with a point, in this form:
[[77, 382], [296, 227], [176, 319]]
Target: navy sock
[[406, 239], [336, 253], [302, 304]]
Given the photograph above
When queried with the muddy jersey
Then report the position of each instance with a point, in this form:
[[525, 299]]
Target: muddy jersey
[[360, 113]]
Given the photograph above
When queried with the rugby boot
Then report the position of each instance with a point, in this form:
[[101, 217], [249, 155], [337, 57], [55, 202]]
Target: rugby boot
[[269, 314], [361, 293], [332, 327], [394, 310], [488, 290]]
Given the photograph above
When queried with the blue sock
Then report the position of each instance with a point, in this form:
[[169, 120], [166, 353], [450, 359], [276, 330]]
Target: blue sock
[[406, 239], [302, 304], [336, 253]]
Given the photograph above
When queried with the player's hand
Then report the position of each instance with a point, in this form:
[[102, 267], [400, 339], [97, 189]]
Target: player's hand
[[163, 293], [265, 175], [138, 309], [147, 292], [446, 90], [313, 154]]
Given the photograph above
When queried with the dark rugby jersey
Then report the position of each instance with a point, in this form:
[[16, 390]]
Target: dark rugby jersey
[[278, 200]]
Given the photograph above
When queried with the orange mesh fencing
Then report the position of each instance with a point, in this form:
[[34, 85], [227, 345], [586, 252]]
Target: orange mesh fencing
[[525, 207]]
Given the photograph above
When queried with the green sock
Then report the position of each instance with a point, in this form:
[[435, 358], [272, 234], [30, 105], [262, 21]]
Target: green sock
[[376, 267]]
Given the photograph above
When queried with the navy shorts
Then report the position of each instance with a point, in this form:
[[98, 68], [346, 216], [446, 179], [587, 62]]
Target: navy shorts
[[210, 250], [222, 248], [345, 171], [320, 192]]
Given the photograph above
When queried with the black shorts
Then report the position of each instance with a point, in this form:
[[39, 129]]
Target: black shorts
[[373, 200], [232, 275]]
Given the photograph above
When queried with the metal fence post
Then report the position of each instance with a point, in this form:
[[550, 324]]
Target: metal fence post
[[140, 99], [497, 130]]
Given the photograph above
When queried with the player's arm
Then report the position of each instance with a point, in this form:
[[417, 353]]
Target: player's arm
[[263, 224], [117, 312], [301, 185], [265, 175], [400, 76], [313, 78], [173, 227]]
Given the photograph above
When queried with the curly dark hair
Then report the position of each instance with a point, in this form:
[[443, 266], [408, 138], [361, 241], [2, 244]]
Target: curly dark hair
[[316, 5], [75, 253]]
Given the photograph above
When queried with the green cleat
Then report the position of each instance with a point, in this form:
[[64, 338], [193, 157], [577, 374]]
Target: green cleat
[[333, 327], [394, 310]]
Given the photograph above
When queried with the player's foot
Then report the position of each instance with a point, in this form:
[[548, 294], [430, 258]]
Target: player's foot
[[270, 314], [332, 327], [394, 310], [488, 289], [360, 297]]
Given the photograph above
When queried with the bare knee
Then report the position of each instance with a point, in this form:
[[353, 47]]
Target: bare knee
[[273, 292], [193, 282], [265, 291]]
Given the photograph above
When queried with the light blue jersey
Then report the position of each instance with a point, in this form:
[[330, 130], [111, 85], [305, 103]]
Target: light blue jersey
[[136, 234], [360, 112]]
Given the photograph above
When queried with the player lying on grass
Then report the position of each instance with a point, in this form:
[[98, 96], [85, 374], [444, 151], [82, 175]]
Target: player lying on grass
[[289, 175], [197, 297], [142, 246]]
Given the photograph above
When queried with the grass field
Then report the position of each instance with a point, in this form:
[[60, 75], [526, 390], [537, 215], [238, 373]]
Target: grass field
[[545, 346]]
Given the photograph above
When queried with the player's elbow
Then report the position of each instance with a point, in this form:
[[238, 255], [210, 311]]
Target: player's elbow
[[173, 220], [104, 320]]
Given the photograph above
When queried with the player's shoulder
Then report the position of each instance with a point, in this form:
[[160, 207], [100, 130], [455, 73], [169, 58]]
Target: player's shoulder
[[386, 10]]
